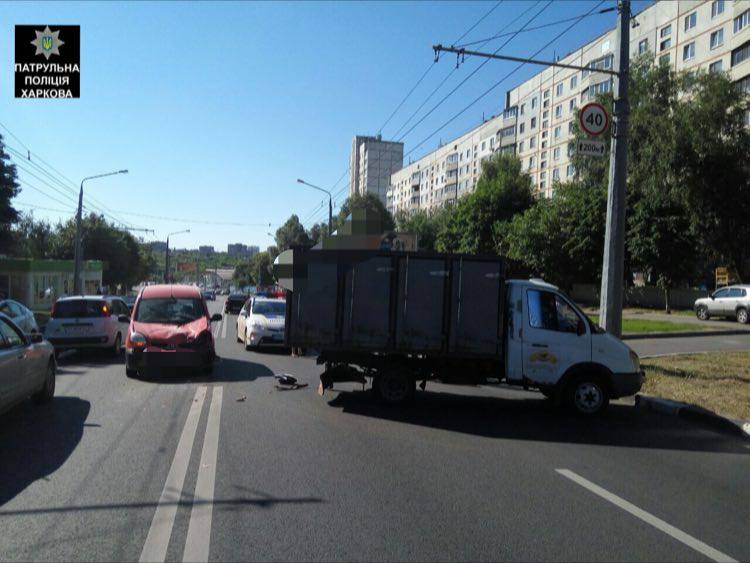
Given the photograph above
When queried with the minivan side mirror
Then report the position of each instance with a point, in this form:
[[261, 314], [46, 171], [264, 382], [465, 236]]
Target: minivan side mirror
[[581, 328], [215, 317], [123, 319]]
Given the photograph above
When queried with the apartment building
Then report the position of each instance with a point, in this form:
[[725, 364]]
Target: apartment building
[[537, 123], [372, 162]]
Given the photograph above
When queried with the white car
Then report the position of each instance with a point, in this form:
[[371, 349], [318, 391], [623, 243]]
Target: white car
[[732, 301], [261, 322], [88, 321]]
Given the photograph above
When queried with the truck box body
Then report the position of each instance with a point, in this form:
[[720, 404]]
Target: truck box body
[[411, 303]]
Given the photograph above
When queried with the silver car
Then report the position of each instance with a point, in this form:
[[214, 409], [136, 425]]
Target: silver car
[[22, 317], [88, 321], [27, 366], [732, 301]]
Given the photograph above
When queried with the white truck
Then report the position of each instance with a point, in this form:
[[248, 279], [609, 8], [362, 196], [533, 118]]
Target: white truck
[[401, 318]]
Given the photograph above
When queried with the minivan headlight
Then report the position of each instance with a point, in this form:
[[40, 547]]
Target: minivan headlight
[[137, 340]]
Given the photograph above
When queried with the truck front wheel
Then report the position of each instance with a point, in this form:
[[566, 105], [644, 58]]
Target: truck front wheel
[[587, 395], [395, 386]]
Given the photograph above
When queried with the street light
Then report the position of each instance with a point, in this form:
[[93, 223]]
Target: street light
[[77, 248], [330, 203], [166, 254]]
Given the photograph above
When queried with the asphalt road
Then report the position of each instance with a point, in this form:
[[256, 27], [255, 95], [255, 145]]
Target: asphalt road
[[690, 344], [230, 468]]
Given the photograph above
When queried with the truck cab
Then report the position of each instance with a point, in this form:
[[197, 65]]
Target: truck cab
[[552, 345]]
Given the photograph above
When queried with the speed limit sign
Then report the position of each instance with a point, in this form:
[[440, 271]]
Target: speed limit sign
[[594, 119]]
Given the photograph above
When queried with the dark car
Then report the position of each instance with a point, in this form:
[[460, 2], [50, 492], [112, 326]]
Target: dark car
[[130, 301], [234, 303], [170, 327]]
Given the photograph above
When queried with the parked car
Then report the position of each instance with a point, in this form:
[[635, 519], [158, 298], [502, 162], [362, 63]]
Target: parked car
[[261, 322], [88, 321], [27, 365], [732, 302], [21, 316], [170, 327], [234, 303], [209, 295]]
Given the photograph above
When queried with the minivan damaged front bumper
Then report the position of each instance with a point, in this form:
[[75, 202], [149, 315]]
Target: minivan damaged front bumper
[[627, 384]]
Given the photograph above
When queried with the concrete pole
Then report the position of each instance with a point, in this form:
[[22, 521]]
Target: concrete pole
[[610, 305], [77, 247]]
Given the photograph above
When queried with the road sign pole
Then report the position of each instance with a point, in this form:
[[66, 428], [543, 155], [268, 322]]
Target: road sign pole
[[610, 305]]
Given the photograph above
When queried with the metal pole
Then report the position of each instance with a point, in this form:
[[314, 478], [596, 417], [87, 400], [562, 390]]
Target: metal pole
[[166, 263], [610, 305], [330, 215], [77, 246]]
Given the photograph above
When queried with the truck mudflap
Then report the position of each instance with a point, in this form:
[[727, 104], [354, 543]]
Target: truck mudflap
[[339, 373]]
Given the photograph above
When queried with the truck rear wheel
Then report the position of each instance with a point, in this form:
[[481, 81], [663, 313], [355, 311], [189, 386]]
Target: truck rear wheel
[[587, 395], [395, 386]]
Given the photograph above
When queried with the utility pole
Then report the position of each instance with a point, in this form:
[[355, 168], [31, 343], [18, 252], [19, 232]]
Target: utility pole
[[77, 245], [613, 267]]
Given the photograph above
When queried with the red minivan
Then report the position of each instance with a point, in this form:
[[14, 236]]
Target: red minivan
[[170, 328]]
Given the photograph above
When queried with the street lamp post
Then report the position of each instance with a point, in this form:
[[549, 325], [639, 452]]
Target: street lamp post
[[77, 246], [330, 203], [166, 254]]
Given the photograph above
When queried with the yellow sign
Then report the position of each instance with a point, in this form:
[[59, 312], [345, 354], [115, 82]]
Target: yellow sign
[[722, 276]]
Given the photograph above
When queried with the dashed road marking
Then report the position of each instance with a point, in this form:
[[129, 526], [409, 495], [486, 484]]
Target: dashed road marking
[[199, 530], [157, 541], [647, 517], [224, 329]]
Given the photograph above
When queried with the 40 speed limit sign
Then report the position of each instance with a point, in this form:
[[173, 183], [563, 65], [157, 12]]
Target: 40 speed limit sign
[[594, 119]]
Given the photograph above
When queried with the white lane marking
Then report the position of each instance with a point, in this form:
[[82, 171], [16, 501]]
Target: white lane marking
[[657, 523], [199, 530], [224, 330], [217, 327], [157, 541]]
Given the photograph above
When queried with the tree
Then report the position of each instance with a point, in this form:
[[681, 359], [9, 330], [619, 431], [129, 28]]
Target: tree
[[9, 189], [32, 238], [369, 202], [317, 232], [478, 223], [290, 234], [260, 269], [426, 225]]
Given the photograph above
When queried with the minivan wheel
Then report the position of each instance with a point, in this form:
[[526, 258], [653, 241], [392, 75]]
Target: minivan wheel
[[742, 316], [702, 313], [587, 395], [47, 392]]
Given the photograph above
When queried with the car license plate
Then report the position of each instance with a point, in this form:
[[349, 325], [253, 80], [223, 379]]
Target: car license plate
[[278, 337], [77, 330]]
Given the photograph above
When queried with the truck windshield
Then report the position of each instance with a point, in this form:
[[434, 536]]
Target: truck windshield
[[169, 310]]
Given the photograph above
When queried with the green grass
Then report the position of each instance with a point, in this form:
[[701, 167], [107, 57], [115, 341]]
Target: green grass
[[631, 326]]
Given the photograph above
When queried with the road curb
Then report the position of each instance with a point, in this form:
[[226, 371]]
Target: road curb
[[682, 334], [695, 414]]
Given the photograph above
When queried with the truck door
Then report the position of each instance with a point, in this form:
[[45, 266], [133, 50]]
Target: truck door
[[555, 336]]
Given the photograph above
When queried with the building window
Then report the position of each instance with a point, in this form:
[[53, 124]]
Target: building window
[[545, 104], [664, 59], [717, 7], [546, 93], [542, 175], [558, 132], [531, 162], [570, 171], [741, 54], [556, 174], [533, 123], [573, 81], [715, 66], [570, 127], [544, 143], [558, 110], [559, 90], [544, 134], [484, 145], [545, 124], [665, 31], [545, 114], [743, 85], [533, 103], [741, 21], [642, 46], [666, 44], [523, 109], [717, 38], [492, 142], [532, 142], [542, 184], [688, 51], [520, 146], [572, 104], [691, 20], [543, 164], [522, 128], [556, 153]]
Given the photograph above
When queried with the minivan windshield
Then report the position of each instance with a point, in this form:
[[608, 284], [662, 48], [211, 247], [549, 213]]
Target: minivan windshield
[[169, 310], [269, 307]]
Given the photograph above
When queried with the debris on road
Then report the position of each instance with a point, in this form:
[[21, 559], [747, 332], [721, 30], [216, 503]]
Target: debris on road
[[288, 382], [241, 399]]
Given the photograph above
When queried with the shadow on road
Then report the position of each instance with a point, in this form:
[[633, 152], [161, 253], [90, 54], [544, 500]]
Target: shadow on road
[[36, 440], [225, 370], [539, 420]]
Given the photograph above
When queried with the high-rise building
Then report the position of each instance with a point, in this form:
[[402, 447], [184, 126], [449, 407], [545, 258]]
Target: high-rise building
[[372, 162], [237, 249], [205, 251], [537, 123]]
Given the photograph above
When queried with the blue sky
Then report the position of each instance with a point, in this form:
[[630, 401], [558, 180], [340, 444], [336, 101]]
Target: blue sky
[[216, 108]]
